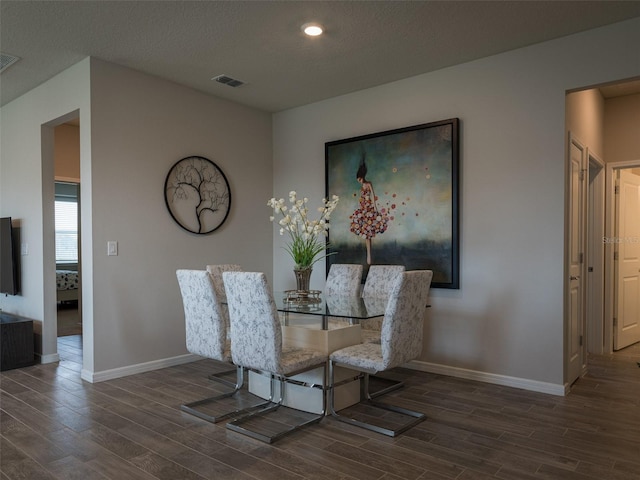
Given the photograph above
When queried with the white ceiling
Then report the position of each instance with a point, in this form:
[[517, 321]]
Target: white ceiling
[[367, 43]]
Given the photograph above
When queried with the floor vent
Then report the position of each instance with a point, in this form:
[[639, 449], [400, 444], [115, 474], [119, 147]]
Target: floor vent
[[227, 80], [6, 61]]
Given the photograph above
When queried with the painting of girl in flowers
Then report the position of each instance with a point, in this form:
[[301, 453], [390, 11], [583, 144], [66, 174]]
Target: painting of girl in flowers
[[367, 220], [398, 200]]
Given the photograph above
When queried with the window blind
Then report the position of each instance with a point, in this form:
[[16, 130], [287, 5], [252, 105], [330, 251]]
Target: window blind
[[66, 221]]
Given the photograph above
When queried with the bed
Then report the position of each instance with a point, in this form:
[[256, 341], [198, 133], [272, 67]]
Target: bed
[[66, 285]]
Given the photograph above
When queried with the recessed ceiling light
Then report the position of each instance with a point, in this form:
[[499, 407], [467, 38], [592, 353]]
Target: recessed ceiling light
[[312, 29]]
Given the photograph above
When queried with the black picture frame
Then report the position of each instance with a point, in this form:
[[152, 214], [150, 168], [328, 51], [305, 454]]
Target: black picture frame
[[414, 173], [197, 195]]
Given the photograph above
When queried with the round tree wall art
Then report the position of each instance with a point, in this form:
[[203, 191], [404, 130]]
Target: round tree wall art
[[197, 195]]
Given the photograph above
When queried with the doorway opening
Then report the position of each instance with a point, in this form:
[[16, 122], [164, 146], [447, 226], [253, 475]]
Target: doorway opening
[[604, 119], [622, 244], [68, 279], [68, 266]]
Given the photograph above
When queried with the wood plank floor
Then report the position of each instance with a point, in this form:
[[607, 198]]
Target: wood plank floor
[[55, 426]]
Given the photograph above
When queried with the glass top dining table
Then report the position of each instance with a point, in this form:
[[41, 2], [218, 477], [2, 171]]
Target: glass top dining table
[[318, 306]]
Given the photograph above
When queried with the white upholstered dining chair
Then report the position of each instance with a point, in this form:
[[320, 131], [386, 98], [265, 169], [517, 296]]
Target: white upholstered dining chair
[[256, 336], [216, 272], [206, 335], [344, 279], [401, 341], [379, 283], [381, 279]]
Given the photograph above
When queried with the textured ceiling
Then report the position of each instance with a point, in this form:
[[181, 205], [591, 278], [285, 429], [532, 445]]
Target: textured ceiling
[[367, 43]]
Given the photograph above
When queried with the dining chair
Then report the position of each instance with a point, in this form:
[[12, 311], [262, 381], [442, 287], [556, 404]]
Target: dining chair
[[218, 285], [344, 279], [381, 279], [256, 336], [216, 272], [379, 282], [401, 341], [206, 335]]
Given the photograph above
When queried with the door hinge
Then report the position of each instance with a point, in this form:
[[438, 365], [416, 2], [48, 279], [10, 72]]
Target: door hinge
[[615, 256], [580, 340], [616, 190], [581, 257], [615, 322]]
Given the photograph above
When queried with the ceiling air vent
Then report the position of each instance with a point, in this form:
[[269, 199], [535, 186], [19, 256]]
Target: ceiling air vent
[[6, 61], [227, 80]]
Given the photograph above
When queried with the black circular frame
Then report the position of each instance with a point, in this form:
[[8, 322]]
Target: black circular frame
[[197, 195]]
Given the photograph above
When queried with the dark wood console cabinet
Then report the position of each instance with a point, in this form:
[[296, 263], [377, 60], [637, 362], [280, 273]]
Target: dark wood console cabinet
[[16, 342]]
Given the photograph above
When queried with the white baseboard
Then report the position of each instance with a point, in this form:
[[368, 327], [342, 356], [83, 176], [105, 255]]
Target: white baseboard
[[94, 377], [51, 358], [515, 382]]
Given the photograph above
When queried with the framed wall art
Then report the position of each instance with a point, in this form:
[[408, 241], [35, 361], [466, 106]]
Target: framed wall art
[[398, 204], [197, 195]]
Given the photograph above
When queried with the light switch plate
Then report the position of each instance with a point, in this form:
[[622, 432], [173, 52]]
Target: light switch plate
[[112, 248]]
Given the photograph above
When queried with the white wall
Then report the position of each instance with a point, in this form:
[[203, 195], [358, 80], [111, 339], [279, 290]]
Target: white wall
[[506, 323], [585, 119], [622, 129], [67, 153], [26, 189], [139, 127]]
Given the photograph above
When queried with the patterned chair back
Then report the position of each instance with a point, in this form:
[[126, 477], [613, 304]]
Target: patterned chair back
[[216, 272], [381, 279], [344, 279], [205, 328], [401, 335], [256, 334]]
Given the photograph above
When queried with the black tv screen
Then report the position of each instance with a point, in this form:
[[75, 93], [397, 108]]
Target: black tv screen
[[9, 280]]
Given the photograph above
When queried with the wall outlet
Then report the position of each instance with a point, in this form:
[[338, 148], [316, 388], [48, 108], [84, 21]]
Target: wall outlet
[[24, 249], [112, 248]]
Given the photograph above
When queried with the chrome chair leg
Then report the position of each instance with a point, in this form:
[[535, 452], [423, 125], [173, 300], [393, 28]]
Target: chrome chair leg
[[192, 409], [394, 385], [416, 417], [217, 377], [237, 425]]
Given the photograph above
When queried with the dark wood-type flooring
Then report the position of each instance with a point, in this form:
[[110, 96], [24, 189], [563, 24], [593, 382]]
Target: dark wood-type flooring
[[54, 425], [68, 319]]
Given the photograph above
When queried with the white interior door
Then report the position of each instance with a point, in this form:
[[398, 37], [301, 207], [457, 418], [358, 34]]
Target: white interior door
[[575, 348], [627, 251]]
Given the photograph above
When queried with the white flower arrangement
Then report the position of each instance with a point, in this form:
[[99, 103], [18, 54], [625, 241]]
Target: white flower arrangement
[[306, 246]]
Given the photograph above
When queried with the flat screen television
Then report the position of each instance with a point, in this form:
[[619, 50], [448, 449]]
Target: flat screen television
[[9, 266]]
